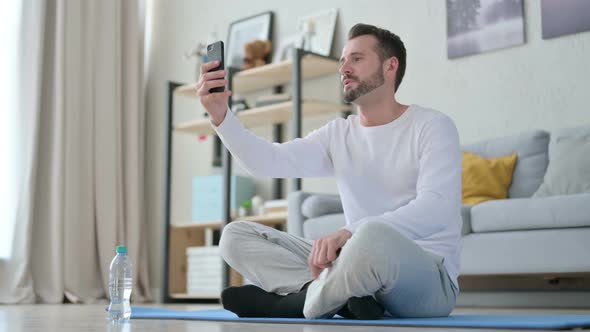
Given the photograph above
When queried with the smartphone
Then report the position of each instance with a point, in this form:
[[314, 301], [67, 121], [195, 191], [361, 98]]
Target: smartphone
[[215, 53]]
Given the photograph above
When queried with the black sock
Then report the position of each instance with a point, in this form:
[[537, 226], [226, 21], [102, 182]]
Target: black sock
[[252, 301], [365, 308], [344, 312]]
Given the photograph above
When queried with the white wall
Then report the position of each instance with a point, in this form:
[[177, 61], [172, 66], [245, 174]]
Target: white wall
[[536, 85]]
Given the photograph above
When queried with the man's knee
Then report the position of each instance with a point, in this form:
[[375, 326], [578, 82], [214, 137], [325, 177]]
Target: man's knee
[[230, 239], [375, 233], [373, 245]]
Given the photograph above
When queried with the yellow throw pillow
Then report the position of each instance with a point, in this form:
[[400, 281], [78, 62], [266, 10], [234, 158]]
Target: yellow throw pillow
[[485, 179]]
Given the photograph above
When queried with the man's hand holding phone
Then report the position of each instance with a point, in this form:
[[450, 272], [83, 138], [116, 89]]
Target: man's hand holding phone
[[215, 103]]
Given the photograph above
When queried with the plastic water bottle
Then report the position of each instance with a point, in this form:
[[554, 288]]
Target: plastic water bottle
[[120, 286]]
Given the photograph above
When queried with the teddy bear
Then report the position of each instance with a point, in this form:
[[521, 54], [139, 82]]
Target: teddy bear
[[255, 53]]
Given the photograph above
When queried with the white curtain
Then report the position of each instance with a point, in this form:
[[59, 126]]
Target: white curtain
[[17, 148], [83, 191]]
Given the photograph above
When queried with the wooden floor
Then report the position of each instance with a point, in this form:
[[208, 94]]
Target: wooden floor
[[87, 318]]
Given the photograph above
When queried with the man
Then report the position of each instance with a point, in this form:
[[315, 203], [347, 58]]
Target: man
[[398, 170]]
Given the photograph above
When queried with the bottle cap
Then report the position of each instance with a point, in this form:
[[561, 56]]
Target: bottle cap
[[121, 249]]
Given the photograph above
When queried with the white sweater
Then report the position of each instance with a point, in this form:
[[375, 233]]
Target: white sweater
[[406, 173]]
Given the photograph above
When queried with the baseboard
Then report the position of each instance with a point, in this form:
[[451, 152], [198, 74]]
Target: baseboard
[[524, 299], [542, 282]]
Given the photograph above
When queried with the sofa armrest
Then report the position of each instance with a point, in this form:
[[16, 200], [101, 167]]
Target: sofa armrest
[[317, 205], [304, 205], [466, 215], [295, 217]]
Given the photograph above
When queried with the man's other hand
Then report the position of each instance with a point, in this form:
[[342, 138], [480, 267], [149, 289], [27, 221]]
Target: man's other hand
[[326, 250]]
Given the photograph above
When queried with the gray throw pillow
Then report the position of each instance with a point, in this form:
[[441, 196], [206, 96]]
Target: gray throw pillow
[[569, 168]]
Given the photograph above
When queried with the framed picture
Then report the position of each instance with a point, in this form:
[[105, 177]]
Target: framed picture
[[284, 47], [564, 17], [317, 31], [241, 32], [478, 26]]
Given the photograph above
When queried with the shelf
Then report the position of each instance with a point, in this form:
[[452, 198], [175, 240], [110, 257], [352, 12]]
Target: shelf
[[266, 115], [272, 219], [273, 74], [193, 235], [179, 237]]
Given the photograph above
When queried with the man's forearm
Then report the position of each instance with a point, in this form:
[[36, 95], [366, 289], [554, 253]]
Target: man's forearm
[[306, 157]]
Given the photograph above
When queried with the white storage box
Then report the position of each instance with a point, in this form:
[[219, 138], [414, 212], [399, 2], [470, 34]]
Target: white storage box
[[203, 275]]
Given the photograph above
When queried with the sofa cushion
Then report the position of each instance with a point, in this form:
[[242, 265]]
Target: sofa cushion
[[531, 213], [567, 132], [321, 204], [569, 164], [531, 148], [541, 251], [485, 179], [316, 228]]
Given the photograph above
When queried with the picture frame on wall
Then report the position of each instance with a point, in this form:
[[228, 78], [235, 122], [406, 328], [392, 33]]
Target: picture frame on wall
[[243, 31], [560, 18], [480, 26], [317, 31], [285, 46]]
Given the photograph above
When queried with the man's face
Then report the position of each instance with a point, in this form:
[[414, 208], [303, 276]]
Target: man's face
[[360, 67]]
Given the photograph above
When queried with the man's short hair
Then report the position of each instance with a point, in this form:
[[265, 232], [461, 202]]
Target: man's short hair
[[388, 45]]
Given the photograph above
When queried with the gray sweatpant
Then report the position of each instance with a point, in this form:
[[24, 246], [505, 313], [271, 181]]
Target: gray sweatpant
[[376, 260]]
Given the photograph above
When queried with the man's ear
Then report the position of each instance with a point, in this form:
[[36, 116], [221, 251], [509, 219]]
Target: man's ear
[[392, 64]]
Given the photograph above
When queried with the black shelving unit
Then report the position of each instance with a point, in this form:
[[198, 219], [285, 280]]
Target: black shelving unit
[[296, 122]]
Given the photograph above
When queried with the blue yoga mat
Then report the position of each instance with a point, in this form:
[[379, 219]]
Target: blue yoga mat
[[456, 320]]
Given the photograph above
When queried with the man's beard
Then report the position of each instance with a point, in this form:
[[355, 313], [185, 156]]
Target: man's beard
[[364, 87]]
